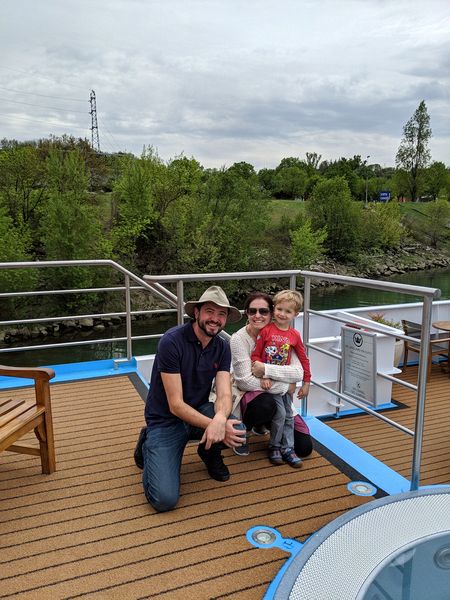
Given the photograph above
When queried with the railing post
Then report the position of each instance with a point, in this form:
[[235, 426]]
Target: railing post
[[180, 302], [421, 392], [128, 317], [306, 307]]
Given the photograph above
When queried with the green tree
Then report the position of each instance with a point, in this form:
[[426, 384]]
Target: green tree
[[290, 161], [15, 247], [437, 226], [307, 245], [22, 182], [313, 161], [243, 169], [176, 191], [312, 169], [331, 208], [219, 224], [435, 179], [291, 182], [446, 189], [352, 169], [98, 165], [400, 184], [70, 225], [413, 154], [313, 180], [383, 228], [239, 214], [134, 200], [183, 178], [266, 179]]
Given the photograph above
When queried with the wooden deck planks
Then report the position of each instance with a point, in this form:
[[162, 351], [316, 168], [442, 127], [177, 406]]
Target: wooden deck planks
[[87, 530], [396, 448]]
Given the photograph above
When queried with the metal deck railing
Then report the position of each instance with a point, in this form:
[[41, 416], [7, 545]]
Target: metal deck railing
[[427, 295], [154, 285], [127, 313]]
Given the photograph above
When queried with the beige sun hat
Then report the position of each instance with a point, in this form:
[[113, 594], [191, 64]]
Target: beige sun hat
[[216, 295]]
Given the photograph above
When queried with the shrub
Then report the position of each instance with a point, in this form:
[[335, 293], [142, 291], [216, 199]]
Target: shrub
[[331, 208], [307, 245], [383, 228], [379, 318]]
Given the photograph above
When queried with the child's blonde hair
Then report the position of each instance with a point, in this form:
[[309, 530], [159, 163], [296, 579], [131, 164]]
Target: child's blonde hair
[[289, 296]]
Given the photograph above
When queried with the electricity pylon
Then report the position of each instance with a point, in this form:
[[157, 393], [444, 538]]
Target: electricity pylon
[[95, 140]]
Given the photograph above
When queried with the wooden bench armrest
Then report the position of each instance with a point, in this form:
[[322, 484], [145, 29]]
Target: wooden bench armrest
[[39, 373], [21, 416]]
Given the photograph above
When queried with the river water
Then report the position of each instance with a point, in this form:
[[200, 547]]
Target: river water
[[347, 297], [321, 299]]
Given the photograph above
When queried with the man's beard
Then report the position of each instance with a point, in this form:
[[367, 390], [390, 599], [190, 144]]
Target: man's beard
[[203, 324]]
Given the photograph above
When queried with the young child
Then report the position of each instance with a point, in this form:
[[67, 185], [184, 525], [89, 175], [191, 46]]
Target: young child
[[273, 346]]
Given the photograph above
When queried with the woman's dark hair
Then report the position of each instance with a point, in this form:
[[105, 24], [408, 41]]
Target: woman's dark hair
[[254, 296]]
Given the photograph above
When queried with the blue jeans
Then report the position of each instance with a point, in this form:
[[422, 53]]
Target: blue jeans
[[163, 452]]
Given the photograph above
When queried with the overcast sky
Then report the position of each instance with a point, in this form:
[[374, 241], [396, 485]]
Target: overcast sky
[[228, 80]]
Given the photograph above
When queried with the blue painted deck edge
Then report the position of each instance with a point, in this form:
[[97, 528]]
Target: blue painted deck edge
[[370, 467], [358, 411], [77, 371]]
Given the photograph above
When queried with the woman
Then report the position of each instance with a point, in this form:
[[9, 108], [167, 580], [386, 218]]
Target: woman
[[258, 412]]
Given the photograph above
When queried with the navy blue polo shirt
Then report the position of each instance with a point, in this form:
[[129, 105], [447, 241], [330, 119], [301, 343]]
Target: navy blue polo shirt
[[180, 351]]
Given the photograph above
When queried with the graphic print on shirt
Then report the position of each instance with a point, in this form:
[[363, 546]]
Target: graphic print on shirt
[[277, 352]]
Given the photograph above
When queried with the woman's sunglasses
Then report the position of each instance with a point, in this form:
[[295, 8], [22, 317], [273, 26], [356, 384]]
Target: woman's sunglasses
[[261, 311]]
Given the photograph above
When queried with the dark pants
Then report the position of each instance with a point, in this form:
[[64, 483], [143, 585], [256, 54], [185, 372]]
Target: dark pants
[[260, 412]]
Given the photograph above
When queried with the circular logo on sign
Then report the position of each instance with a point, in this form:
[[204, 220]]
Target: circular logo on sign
[[357, 339]]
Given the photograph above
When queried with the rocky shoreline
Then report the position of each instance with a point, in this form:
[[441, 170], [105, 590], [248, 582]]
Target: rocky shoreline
[[413, 257], [81, 326]]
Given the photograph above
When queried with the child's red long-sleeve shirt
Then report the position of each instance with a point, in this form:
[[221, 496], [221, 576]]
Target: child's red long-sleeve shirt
[[273, 346]]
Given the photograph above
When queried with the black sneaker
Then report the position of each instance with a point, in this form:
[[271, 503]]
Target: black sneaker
[[138, 454], [242, 450], [214, 463]]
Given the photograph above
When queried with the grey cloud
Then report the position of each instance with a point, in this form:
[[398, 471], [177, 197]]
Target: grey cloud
[[200, 76]]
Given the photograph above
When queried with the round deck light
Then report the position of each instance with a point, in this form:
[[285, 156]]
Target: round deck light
[[264, 537], [362, 488]]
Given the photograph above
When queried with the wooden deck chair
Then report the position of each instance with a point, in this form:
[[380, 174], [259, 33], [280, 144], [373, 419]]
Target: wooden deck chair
[[439, 343], [19, 416]]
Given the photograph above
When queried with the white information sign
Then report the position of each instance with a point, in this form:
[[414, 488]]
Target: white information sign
[[359, 364]]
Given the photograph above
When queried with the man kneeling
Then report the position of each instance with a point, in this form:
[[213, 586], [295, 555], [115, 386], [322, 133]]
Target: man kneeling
[[177, 409]]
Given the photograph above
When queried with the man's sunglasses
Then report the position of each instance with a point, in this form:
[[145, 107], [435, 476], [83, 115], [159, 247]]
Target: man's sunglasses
[[261, 311]]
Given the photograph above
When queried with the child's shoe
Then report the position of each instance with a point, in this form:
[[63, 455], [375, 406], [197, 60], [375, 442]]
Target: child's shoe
[[291, 458], [275, 456]]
